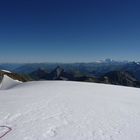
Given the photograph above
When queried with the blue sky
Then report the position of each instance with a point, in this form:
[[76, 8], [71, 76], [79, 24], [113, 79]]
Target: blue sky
[[69, 30]]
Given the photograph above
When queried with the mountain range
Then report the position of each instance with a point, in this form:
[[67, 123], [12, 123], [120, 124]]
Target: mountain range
[[109, 72]]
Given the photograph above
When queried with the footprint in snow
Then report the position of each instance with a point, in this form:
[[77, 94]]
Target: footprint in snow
[[50, 133]]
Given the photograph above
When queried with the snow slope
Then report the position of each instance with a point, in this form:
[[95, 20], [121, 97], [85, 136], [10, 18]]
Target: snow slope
[[60, 110], [8, 82]]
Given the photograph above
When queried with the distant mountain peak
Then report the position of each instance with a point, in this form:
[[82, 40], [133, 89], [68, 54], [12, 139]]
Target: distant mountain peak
[[57, 72], [120, 78]]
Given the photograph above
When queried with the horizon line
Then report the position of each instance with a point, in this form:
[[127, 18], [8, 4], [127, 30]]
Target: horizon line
[[98, 61]]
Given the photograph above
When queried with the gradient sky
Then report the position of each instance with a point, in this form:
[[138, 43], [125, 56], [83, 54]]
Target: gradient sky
[[69, 30]]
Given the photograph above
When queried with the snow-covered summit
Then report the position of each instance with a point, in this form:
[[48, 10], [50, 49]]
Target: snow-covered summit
[[63, 110], [7, 71], [8, 82]]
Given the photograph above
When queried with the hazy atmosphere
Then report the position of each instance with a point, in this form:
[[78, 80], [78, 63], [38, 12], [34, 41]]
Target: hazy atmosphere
[[69, 30]]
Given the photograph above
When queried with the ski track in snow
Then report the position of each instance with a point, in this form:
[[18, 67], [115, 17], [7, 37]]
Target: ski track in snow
[[70, 111]]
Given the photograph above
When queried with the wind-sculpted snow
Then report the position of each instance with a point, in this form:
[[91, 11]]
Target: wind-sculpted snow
[[8, 82], [59, 110]]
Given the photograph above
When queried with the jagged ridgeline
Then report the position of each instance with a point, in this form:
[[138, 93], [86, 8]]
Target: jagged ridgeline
[[119, 77], [117, 73]]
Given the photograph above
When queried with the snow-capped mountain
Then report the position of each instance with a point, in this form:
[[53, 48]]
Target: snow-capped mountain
[[12, 75]]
